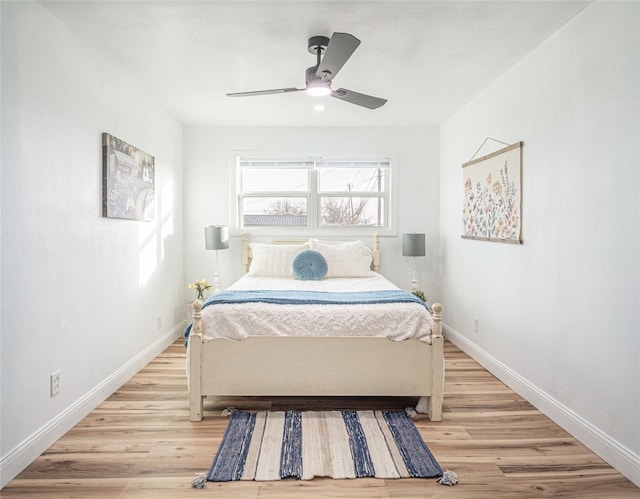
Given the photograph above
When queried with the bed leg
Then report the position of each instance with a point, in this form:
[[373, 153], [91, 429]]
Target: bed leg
[[435, 409], [196, 407], [431, 406], [195, 360]]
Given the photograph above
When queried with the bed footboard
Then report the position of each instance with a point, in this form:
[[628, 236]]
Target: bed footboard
[[311, 366]]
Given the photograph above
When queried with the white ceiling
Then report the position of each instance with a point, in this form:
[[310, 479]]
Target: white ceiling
[[428, 58]]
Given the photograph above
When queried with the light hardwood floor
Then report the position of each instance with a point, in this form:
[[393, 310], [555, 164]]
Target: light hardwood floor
[[140, 443]]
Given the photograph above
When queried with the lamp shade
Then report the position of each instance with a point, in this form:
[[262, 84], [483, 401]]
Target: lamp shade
[[413, 244], [216, 237]]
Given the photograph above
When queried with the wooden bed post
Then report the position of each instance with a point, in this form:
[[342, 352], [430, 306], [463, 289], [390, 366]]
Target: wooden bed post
[[245, 252], [195, 357], [437, 363], [433, 405], [376, 253]]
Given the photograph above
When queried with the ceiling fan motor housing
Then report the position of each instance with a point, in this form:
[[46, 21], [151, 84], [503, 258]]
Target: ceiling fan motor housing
[[317, 86], [310, 75]]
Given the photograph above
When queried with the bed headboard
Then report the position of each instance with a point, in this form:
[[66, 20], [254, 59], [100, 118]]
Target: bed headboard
[[246, 250]]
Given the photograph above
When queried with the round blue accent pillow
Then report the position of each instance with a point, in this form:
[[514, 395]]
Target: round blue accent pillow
[[310, 265]]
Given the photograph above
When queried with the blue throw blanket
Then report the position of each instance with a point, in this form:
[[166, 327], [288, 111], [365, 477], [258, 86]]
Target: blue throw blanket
[[290, 297]]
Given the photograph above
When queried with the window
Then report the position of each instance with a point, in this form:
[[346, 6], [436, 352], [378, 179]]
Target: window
[[313, 192]]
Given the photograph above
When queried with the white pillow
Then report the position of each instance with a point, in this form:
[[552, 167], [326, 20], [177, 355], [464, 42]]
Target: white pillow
[[347, 259], [274, 260]]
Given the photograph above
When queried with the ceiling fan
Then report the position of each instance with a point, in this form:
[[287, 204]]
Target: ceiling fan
[[337, 51]]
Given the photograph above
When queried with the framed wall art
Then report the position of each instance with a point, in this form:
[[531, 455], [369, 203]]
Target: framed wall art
[[493, 196], [128, 181]]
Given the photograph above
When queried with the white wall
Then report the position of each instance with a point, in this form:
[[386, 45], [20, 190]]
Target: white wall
[[559, 315], [209, 181], [101, 283], [80, 293]]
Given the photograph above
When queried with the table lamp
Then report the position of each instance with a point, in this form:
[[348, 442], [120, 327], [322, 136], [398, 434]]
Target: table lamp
[[216, 237], [413, 246]]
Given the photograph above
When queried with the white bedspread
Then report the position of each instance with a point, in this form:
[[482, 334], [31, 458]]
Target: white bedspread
[[395, 321]]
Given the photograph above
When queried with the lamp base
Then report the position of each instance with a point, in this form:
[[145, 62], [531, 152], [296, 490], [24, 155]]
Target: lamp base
[[414, 284], [216, 283]]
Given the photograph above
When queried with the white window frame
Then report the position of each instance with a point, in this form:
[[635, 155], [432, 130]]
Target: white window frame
[[315, 162]]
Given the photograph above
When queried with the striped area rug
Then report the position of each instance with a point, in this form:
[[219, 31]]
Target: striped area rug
[[336, 444]]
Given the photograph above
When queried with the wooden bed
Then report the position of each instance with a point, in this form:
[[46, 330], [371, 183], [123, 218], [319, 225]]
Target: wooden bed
[[316, 366]]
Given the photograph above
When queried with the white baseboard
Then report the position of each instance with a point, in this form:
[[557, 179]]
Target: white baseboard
[[23, 454], [614, 453]]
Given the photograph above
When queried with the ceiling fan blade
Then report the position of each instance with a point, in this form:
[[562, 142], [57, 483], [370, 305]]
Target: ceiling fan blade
[[359, 99], [340, 48], [265, 92]]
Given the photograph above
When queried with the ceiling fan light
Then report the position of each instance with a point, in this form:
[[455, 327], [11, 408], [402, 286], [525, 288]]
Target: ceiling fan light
[[318, 90]]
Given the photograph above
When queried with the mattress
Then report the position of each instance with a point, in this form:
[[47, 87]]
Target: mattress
[[394, 321]]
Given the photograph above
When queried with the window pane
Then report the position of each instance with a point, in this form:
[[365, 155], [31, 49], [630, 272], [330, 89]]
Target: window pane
[[351, 179], [350, 211], [275, 180], [313, 192], [270, 211]]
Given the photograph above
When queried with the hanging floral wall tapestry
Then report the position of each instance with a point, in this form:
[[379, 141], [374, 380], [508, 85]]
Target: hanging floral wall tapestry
[[493, 196]]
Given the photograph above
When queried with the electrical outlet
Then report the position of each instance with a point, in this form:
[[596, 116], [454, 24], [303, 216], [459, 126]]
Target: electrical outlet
[[476, 325], [54, 379], [159, 322]]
